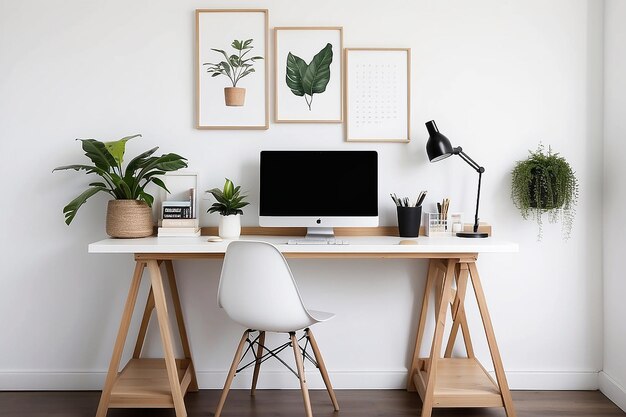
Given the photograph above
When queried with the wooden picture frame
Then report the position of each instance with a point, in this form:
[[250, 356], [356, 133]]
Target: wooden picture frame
[[377, 99], [295, 101], [232, 69]]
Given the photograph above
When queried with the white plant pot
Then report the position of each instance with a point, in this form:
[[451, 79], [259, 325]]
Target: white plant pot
[[230, 226]]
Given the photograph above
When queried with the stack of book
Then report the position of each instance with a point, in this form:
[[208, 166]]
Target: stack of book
[[179, 218], [178, 227]]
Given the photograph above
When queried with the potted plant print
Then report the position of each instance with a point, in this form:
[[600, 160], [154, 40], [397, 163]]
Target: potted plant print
[[235, 67]]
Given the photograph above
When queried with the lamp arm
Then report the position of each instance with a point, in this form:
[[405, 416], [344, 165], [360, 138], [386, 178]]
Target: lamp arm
[[477, 168], [480, 176], [459, 151]]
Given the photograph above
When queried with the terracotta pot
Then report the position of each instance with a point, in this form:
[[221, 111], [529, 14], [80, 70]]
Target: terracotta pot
[[230, 226], [128, 219], [234, 96]]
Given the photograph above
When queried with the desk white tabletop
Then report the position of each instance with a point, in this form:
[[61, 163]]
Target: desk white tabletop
[[357, 244]]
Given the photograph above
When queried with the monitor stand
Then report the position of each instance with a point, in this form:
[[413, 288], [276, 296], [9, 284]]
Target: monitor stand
[[319, 233]]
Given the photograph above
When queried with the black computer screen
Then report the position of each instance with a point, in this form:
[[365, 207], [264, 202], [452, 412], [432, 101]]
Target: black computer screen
[[319, 183]]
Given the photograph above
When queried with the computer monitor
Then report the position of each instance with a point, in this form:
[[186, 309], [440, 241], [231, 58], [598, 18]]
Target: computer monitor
[[318, 190]]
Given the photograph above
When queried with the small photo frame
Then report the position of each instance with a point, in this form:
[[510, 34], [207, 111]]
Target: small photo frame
[[377, 94], [308, 84], [232, 69]]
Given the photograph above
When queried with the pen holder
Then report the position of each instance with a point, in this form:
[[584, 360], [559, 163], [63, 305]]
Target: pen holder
[[409, 221]]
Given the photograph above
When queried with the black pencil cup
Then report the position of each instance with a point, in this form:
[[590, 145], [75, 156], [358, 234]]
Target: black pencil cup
[[409, 221]]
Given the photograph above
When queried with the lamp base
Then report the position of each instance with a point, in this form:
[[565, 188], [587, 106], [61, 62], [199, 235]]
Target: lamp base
[[473, 234]]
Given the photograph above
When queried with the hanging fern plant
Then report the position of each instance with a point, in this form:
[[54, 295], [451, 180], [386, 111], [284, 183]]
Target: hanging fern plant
[[545, 183]]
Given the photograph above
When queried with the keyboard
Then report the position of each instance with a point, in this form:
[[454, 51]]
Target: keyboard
[[317, 242]]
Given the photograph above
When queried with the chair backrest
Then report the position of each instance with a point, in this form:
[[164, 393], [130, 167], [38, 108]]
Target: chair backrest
[[257, 289]]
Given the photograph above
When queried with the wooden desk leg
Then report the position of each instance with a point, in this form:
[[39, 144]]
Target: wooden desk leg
[[169, 267], [432, 275], [127, 315], [491, 340], [435, 351], [458, 313], [166, 337], [143, 329]]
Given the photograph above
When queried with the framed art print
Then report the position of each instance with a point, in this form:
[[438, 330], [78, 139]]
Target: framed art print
[[232, 69], [377, 94], [308, 74]]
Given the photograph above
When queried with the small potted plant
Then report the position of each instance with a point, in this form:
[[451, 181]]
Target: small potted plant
[[545, 183], [229, 204], [235, 67], [128, 214]]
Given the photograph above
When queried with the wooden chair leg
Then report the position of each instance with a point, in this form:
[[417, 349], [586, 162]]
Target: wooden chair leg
[[231, 373], [303, 386], [257, 365], [322, 367]]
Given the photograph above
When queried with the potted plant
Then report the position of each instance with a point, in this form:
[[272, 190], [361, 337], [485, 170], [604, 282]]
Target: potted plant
[[235, 67], [129, 213], [545, 183], [229, 204]]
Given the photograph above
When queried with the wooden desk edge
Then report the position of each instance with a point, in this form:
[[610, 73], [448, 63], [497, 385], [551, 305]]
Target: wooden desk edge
[[466, 257]]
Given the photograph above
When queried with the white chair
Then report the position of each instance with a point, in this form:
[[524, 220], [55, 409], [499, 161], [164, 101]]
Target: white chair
[[257, 290]]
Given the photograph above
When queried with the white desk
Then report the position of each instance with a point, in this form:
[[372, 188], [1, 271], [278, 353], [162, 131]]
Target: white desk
[[440, 381]]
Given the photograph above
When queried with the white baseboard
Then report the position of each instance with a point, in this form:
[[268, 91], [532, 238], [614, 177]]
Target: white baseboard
[[614, 391], [546, 381], [271, 379]]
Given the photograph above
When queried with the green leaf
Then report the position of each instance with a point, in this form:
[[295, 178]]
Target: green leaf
[[98, 153], [247, 43], [226, 67], [296, 68], [160, 183], [237, 45], [118, 147], [234, 61], [139, 161], [146, 197], [317, 74], [72, 207], [228, 189], [221, 52]]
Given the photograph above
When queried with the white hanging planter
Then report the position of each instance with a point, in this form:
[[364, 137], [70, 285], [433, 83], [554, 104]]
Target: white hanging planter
[[230, 226]]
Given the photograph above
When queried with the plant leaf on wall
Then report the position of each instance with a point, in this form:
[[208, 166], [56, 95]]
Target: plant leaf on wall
[[317, 75], [296, 67], [308, 79]]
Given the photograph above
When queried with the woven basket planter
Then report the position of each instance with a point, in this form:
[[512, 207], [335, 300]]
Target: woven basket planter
[[128, 219]]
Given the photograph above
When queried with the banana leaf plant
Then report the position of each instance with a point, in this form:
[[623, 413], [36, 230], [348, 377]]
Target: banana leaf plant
[[121, 183], [229, 200], [308, 79], [235, 67]]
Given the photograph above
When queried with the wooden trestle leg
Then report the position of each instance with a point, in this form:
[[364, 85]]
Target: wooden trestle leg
[[456, 382], [119, 389]]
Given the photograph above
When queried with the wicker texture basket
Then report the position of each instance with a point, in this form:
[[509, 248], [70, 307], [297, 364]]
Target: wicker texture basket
[[128, 219]]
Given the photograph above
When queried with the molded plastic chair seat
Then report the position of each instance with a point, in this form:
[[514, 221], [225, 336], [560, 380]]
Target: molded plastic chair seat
[[258, 291]]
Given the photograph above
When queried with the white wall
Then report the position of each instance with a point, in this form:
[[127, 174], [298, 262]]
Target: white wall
[[613, 379], [497, 76]]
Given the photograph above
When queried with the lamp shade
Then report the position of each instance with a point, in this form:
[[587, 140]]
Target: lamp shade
[[438, 146]]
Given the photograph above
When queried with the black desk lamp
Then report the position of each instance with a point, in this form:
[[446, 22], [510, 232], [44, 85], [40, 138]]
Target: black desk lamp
[[439, 147]]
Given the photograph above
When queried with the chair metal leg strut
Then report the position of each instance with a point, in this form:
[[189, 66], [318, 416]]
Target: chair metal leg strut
[[261, 353]]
